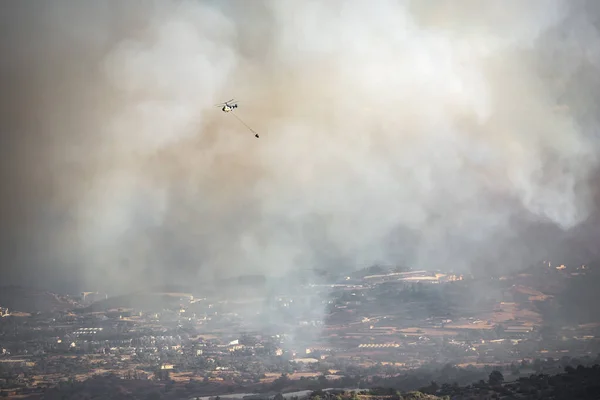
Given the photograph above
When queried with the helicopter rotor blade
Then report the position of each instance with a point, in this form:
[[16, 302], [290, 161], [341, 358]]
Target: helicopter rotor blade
[[226, 102]]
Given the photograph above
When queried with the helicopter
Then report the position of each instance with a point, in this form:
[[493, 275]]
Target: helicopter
[[229, 106]]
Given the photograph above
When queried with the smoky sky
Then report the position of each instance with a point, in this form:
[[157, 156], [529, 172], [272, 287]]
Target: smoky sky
[[453, 135]]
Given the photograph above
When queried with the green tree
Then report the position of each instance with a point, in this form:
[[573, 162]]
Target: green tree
[[496, 378], [569, 369]]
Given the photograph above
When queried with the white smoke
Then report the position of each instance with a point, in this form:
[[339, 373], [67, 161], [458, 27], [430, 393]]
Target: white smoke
[[437, 118]]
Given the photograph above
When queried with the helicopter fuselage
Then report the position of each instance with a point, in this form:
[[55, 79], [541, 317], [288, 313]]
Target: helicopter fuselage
[[228, 107]]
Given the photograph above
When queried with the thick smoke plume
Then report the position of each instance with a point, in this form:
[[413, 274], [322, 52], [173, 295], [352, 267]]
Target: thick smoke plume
[[427, 133]]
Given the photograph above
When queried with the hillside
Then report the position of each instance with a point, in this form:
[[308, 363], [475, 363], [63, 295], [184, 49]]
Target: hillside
[[138, 301], [30, 300], [169, 296], [580, 383]]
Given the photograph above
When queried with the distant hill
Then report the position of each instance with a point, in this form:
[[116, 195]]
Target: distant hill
[[251, 280], [138, 301], [202, 287], [168, 296], [30, 300], [172, 289]]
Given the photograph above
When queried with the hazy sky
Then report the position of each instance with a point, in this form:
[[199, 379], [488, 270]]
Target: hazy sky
[[439, 134]]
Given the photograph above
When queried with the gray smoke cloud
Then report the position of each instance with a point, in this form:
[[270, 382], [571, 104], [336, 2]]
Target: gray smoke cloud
[[428, 133]]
